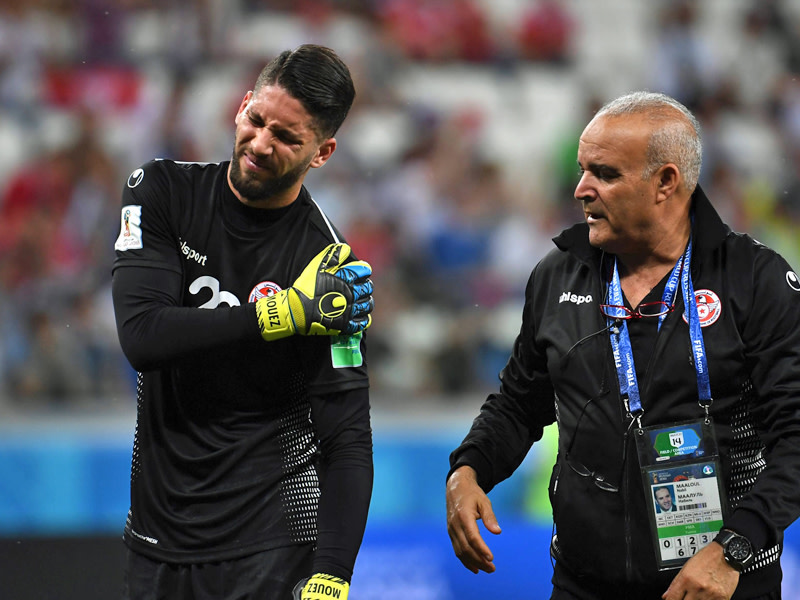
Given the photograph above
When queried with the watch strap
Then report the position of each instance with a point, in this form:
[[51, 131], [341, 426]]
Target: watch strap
[[724, 538]]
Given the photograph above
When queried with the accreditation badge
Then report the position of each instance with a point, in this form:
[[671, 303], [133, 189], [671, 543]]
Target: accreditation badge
[[683, 488]]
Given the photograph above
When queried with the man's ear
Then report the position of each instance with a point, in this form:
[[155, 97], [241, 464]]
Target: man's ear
[[245, 101], [669, 178], [324, 152]]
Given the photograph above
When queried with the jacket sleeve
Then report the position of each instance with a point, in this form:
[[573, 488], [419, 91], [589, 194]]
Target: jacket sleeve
[[771, 335], [342, 422], [511, 419]]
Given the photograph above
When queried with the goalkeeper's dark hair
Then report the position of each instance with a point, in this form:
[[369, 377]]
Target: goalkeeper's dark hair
[[317, 77]]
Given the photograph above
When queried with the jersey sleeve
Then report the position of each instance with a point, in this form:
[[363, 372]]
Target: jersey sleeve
[[154, 330], [147, 235], [343, 427]]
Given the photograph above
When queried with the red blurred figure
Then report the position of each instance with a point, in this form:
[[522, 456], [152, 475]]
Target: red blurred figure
[[438, 31], [546, 33]]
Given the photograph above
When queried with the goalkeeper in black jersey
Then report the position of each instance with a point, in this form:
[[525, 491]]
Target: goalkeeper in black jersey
[[244, 312]]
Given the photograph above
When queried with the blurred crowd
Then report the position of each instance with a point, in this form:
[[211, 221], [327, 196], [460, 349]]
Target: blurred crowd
[[453, 172]]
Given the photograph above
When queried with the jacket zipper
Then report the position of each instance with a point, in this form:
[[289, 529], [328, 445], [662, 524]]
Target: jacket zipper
[[628, 534]]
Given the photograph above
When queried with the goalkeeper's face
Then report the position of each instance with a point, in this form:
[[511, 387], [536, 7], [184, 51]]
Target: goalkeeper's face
[[275, 145]]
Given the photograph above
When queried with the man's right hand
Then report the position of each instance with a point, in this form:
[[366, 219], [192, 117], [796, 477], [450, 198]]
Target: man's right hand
[[331, 297], [321, 586], [466, 504]]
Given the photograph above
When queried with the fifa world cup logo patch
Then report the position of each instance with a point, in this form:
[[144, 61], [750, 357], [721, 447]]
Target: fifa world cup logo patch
[[130, 229]]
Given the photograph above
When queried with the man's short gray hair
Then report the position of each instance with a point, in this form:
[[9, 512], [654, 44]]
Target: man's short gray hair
[[675, 140]]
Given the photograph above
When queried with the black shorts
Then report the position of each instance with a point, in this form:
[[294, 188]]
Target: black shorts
[[269, 575]]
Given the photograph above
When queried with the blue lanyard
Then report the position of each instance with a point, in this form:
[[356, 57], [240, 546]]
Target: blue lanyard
[[621, 341], [696, 335]]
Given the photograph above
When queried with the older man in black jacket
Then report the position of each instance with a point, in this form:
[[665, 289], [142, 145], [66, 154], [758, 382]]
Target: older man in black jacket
[[667, 349]]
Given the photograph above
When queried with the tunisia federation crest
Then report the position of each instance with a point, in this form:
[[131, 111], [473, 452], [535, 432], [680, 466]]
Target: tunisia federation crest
[[264, 289], [708, 307]]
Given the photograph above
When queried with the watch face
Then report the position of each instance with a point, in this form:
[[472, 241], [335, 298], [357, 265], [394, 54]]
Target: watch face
[[739, 549]]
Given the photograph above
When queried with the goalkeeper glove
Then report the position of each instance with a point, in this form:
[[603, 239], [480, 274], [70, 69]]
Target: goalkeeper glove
[[329, 298], [321, 587]]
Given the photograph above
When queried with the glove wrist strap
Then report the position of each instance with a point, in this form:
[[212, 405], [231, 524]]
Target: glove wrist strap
[[274, 317]]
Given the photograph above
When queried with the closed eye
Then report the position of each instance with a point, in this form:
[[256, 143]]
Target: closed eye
[[255, 120], [287, 139], [283, 135]]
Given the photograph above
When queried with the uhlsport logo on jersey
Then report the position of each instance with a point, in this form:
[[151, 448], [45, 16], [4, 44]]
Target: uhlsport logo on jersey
[[130, 230], [135, 178], [192, 254], [793, 281], [574, 298], [709, 307], [264, 289]]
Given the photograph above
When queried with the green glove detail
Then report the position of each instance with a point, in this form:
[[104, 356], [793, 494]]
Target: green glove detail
[[329, 298]]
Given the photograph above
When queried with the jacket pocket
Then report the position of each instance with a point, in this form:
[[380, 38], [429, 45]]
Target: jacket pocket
[[588, 522]]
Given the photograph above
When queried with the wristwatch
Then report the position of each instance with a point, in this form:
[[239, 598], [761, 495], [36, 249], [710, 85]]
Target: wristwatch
[[738, 549]]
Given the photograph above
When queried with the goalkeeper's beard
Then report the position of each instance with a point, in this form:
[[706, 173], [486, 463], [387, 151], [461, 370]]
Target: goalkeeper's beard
[[253, 189]]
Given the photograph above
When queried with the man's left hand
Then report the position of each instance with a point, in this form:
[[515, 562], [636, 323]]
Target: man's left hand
[[330, 297], [706, 576]]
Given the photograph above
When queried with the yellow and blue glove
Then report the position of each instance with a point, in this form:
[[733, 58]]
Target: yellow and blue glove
[[321, 587], [331, 297]]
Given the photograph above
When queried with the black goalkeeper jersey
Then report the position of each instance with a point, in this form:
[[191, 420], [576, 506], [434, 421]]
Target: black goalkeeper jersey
[[229, 452]]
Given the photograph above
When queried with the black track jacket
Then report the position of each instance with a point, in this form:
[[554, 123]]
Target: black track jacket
[[558, 365]]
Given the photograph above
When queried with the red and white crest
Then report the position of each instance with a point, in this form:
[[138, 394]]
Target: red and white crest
[[709, 307], [264, 289]]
